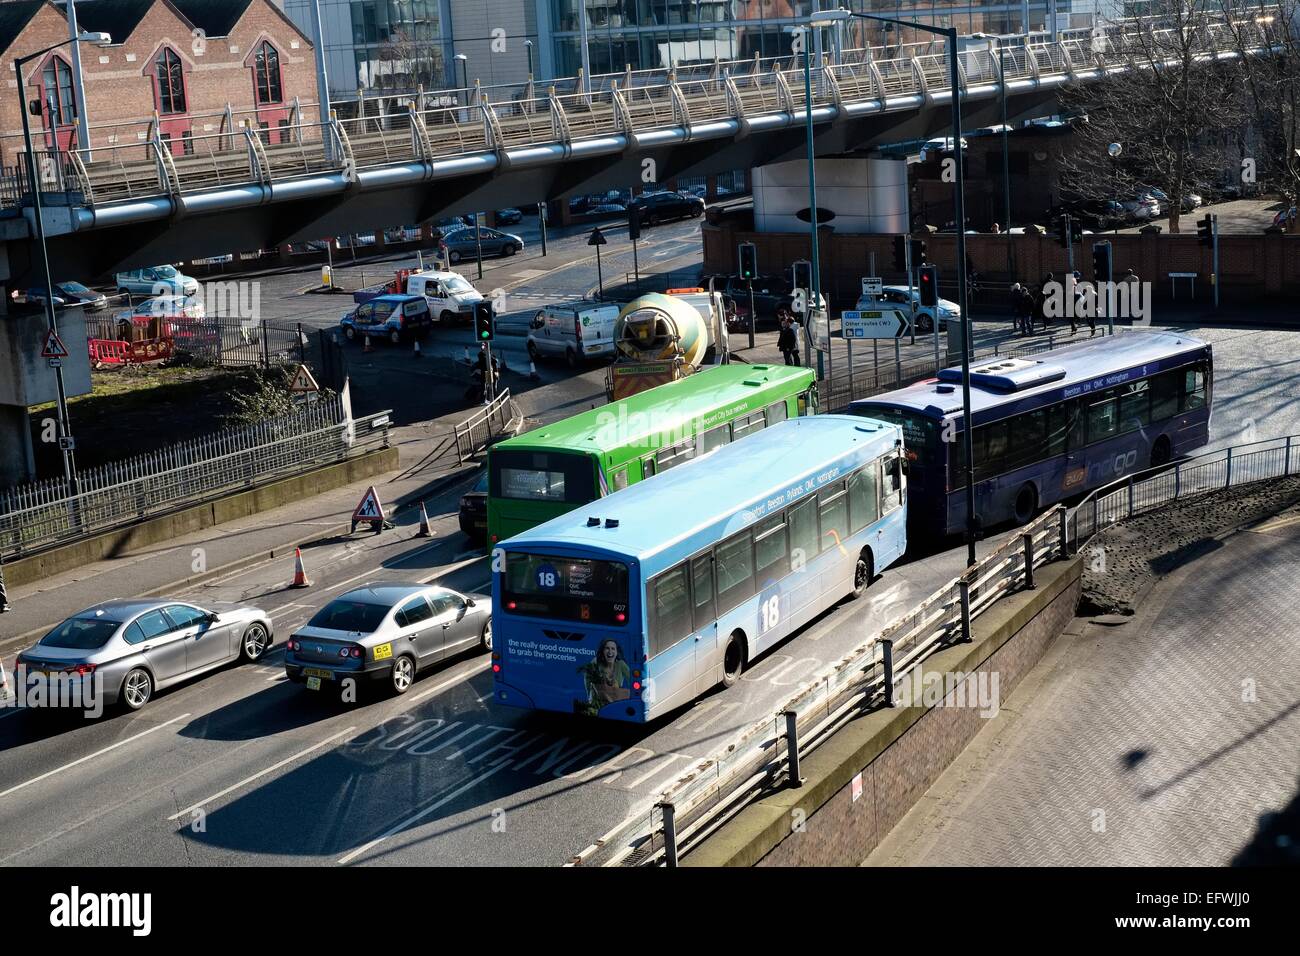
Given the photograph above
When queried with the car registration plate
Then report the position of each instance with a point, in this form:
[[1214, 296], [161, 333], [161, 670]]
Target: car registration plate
[[593, 348], [313, 683], [318, 673], [383, 651]]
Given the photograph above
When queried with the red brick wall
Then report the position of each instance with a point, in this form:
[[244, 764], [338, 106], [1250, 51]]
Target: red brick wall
[[120, 93], [1253, 267]]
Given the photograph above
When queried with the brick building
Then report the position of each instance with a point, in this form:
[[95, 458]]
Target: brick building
[[188, 61]]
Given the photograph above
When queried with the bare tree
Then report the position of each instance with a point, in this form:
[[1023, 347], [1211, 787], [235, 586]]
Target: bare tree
[[1266, 38], [1168, 110]]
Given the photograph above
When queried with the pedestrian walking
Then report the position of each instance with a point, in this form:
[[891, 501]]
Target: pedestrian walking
[[788, 342], [4, 595], [1022, 303]]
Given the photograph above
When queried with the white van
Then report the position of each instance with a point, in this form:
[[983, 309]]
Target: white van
[[450, 295], [573, 332]]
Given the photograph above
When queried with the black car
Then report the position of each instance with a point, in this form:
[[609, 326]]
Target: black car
[[71, 293], [473, 509], [661, 207], [1095, 214], [770, 293], [508, 217]]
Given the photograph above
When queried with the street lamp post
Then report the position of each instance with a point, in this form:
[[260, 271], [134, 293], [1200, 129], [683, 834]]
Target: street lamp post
[[528, 45], [815, 267], [959, 203], [65, 430], [463, 61], [1113, 151]]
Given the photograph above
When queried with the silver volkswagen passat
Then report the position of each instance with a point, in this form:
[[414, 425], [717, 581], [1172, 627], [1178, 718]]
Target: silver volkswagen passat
[[387, 632], [134, 648]]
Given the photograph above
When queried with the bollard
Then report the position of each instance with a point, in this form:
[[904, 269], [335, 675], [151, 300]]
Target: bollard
[[963, 588], [1028, 540], [670, 833], [887, 661], [792, 747]]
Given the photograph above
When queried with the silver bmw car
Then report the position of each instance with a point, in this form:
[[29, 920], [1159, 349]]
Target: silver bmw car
[[138, 647], [386, 632]]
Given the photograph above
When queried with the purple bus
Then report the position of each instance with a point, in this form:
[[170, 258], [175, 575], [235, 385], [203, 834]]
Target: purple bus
[[1048, 428]]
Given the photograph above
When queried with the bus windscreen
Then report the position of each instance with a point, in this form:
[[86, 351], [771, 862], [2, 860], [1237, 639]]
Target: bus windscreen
[[569, 589], [555, 477]]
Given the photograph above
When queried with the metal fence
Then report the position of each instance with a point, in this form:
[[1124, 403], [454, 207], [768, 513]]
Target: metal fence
[[476, 432], [213, 340], [43, 514], [1198, 475], [766, 755]]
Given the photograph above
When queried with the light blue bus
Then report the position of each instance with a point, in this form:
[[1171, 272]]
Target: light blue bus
[[636, 603]]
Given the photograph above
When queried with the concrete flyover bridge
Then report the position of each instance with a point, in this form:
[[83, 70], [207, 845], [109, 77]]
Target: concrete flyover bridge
[[139, 199]]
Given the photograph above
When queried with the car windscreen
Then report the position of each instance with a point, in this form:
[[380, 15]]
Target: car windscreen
[[560, 477], [566, 588], [482, 483], [457, 284], [348, 615], [75, 287], [81, 633], [166, 272]]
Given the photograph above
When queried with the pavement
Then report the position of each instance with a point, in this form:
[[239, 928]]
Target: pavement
[[1167, 740]]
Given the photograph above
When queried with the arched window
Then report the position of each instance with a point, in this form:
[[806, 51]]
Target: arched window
[[171, 81], [266, 74], [56, 80]]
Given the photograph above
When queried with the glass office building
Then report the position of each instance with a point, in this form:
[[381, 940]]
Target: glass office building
[[377, 45]]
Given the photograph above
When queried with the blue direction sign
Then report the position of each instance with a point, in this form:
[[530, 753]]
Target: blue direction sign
[[875, 324]]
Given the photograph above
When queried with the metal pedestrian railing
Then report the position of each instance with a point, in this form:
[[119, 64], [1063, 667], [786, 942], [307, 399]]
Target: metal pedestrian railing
[[476, 432], [135, 160], [47, 513], [766, 755], [1198, 475]]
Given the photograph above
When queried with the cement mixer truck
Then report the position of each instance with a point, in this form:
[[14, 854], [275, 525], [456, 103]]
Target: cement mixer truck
[[662, 337]]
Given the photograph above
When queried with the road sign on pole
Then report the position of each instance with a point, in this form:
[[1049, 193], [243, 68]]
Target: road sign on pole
[[303, 381], [53, 347], [872, 286], [874, 324]]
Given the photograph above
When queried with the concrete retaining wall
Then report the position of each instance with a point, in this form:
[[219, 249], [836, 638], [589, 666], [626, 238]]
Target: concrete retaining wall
[[898, 753], [197, 517]]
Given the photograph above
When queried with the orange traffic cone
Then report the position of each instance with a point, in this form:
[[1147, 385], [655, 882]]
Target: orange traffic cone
[[299, 572], [425, 531], [368, 347]]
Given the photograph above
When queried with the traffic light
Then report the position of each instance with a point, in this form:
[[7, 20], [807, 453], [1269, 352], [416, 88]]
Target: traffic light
[[918, 253], [634, 222], [928, 279], [900, 253], [483, 331], [1102, 267], [1062, 232], [801, 275], [1205, 230], [748, 256]]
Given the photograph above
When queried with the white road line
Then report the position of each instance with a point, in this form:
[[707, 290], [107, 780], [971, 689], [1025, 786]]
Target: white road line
[[261, 773], [97, 753], [288, 607], [448, 683], [416, 817]]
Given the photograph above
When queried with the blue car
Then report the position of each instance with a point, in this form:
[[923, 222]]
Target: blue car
[[393, 317]]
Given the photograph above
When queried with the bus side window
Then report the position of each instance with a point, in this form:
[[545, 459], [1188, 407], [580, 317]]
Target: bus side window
[[863, 506], [805, 540], [620, 478], [747, 425], [1077, 420], [714, 438], [1057, 428], [1193, 388], [1103, 418], [735, 558], [647, 467], [807, 403], [771, 552], [670, 619], [706, 611], [1164, 395], [674, 456], [775, 412], [833, 510], [891, 483]]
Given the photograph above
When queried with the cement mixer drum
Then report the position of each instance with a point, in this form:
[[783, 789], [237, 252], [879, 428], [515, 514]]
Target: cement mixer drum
[[655, 327]]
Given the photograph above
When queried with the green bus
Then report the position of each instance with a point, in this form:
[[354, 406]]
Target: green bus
[[543, 473]]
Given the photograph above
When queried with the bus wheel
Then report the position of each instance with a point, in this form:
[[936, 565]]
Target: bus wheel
[[733, 659], [1160, 453], [1026, 504], [863, 573]]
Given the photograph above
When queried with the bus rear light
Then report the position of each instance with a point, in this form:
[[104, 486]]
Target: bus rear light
[[510, 605], [636, 685], [620, 617], [636, 675], [496, 668], [495, 539]]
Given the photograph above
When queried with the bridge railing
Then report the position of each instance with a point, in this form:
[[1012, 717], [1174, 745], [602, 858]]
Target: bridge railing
[[758, 759], [230, 148]]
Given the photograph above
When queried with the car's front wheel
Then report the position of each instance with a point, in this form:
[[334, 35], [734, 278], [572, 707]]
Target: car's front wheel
[[508, 249], [403, 674], [137, 688], [485, 639], [254, 643], [349, 333]]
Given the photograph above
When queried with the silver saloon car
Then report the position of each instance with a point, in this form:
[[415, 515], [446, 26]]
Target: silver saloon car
[[135, 648], [386, 632]]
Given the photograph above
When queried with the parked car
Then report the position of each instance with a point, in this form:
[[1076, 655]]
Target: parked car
[[607, 209], [898, 295], [386, 633], [661, 207], [156, 280], [462, 243], [185, 307], [473, 509], [393, 317], [1097, 214], [573, 332], [139, 647], [1143, 207], [509, 216], [71, 293]]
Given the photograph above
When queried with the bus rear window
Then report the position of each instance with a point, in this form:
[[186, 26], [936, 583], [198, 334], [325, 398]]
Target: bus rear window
[[569, 589], [542, 476], [920, 433]]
